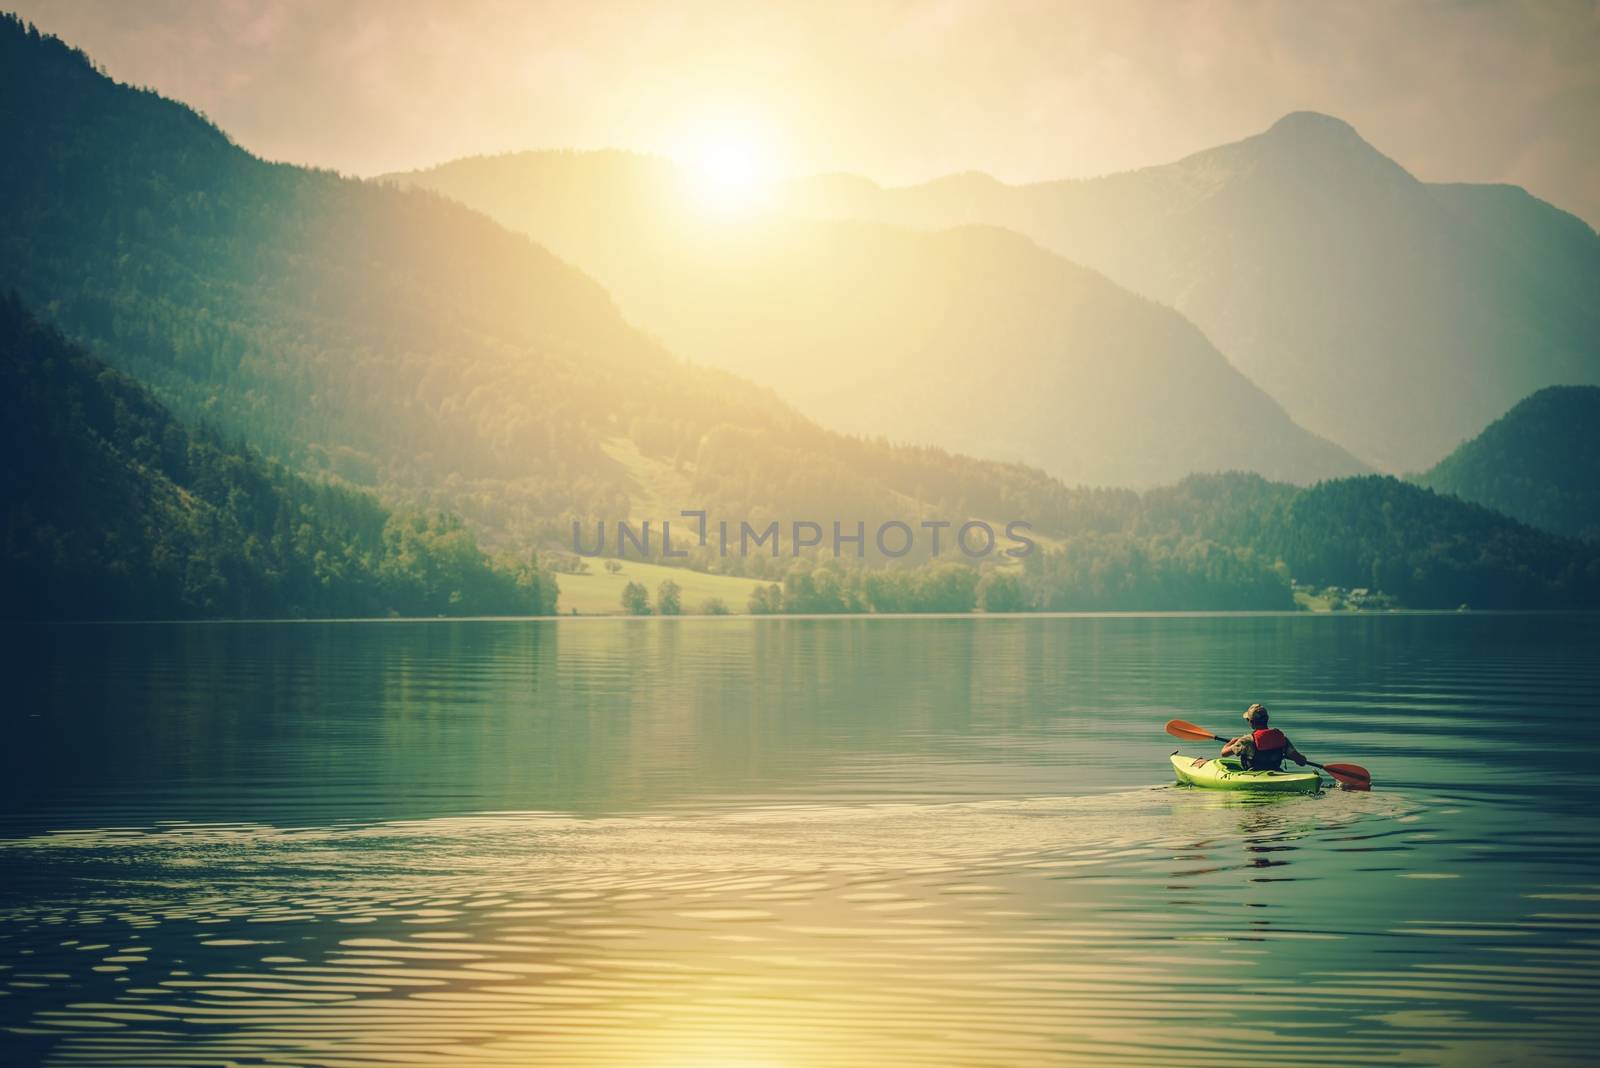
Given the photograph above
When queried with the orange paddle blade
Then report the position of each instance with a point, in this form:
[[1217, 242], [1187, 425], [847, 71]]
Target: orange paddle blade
[[1180, 729], [1353, 775]]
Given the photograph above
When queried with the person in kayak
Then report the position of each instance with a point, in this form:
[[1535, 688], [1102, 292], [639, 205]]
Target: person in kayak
[[1264, 748]]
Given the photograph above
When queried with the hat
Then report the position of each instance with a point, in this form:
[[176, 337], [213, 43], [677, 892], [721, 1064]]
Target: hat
[[1257, 715]]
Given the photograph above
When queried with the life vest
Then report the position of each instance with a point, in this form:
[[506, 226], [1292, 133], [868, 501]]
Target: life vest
[[1269, 738], [1266, 750]]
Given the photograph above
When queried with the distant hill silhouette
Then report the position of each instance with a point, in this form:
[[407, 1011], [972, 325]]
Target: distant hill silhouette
[[1389, 315], [1540, 462], [973, 338]]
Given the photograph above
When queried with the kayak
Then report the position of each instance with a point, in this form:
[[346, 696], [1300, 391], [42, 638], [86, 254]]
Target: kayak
[[1224, 773]]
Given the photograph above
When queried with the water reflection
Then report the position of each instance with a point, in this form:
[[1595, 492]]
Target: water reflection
[[1138, 926], [943, 843]]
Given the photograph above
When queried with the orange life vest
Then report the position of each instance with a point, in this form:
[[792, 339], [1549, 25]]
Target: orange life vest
[[1266, 751], [1269, 738]]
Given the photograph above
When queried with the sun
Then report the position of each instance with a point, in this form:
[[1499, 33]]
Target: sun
[[731, 164]]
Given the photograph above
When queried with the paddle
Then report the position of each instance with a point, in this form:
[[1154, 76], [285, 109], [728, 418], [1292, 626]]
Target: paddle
[[1352, 775]]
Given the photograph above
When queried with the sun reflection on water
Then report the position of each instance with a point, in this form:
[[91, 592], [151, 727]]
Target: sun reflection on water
[[787, 937]]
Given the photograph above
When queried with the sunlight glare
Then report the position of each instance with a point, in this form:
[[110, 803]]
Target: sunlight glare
[[731, 163]]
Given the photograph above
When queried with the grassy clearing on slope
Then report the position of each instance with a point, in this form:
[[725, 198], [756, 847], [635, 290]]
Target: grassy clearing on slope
[[599, 593], [658, 491]]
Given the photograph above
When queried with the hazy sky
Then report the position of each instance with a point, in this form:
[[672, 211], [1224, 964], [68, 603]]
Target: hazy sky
[[899, 91]]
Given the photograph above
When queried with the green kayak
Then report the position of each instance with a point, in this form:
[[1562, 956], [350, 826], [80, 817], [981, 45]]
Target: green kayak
[[1224, 773]]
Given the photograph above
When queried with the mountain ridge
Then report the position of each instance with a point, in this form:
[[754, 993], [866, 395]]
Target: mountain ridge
[[396, 341], [1392, 316], [1091, 382]]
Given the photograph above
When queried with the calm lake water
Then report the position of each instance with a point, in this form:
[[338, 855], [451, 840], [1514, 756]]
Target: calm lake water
[[735, 843]]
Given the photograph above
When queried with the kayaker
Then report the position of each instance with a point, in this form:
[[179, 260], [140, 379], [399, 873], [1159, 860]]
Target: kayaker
[[1264, 748]]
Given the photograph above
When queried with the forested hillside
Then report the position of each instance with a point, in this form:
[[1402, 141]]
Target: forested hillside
[[1539, 462], [1219, 540], [114, 509]]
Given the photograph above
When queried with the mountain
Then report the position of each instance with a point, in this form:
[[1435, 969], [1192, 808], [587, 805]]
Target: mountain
[[398, 342], [1392, 316], [364, 336], [973, 338], [114, 509], [1540, 462]]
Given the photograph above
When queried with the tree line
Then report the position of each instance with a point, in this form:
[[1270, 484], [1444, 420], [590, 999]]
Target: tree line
[[1217, 542]]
